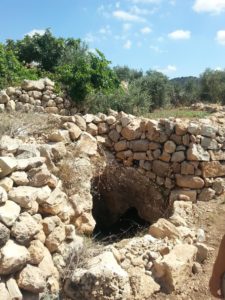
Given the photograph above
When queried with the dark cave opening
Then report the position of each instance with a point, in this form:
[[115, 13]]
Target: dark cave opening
[[127, 225], [126, 202]]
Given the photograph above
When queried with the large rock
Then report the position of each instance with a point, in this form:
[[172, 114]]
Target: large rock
[[197, 153], [24, 195], [25, 228], [163, 228], [55, 203], [139, 145], [87, 144], [7, 166], [12, 257], [213, 169], [31, 279], [36, 250], [9, 212], [55, 238], [189, 181], [39, 177], [33, 85], [4, 98], [206, 194], [8, 144], [113, 281], [132, 131], [174, 269]]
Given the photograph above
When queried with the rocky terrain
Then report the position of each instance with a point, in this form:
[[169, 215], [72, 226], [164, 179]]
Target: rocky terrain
[[49, 180]]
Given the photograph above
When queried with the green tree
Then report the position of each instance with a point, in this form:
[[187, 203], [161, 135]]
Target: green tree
[[12, 72], [212, 84], [124, 73]]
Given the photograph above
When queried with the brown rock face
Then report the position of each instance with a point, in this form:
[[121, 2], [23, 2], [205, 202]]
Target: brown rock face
[[188, 181], [213, 169]]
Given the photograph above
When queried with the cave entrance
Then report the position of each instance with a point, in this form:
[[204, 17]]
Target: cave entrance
[[125, 202], [127, 225]]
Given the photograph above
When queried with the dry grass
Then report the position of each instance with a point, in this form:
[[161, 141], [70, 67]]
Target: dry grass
[[18, 123], [177, 113]]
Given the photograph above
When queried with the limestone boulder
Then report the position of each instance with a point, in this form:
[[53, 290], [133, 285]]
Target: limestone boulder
[[80, 122], [9, 212], [9, 144], [12, 257], [7, 166], [39, 177], [25, 228], [87, 144], [139, 145], [113, 281], [31, 279], [6, 183], [33, 85], [19, 178], [189, 181], [206, 194], [55, 203], [197, 153], [174, 268], [213, 169], [49, 224], [55, 238], [36, 250], [132, 131], [23, 195], [4, 98], [163, 228]]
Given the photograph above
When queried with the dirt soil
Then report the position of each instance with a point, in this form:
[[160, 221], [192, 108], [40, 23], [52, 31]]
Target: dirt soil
[[209, 216]]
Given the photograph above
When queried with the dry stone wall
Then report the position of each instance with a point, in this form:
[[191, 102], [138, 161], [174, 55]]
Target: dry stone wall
[[37, 96], [41, 223]]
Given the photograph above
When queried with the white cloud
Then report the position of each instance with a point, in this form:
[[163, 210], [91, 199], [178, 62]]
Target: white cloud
[[105, 30], [127, 44], [126, 16], [220, 37], [126, 26], [34, 31], [145, 30], [180, 35], [209, 6], [167, 70]]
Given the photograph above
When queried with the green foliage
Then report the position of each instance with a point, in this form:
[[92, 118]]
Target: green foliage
[[12, 72], [88, 74], [127, 74], [213, 86]]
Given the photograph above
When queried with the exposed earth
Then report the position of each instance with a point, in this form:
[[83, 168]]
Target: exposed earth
[[209, 217]]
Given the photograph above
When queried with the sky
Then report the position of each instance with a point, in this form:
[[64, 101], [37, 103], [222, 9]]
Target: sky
[[176, 37]]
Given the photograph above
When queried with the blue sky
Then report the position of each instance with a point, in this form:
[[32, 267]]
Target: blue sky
[[177, 37]]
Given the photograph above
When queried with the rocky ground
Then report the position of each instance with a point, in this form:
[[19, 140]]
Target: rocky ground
[[210, 217]]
